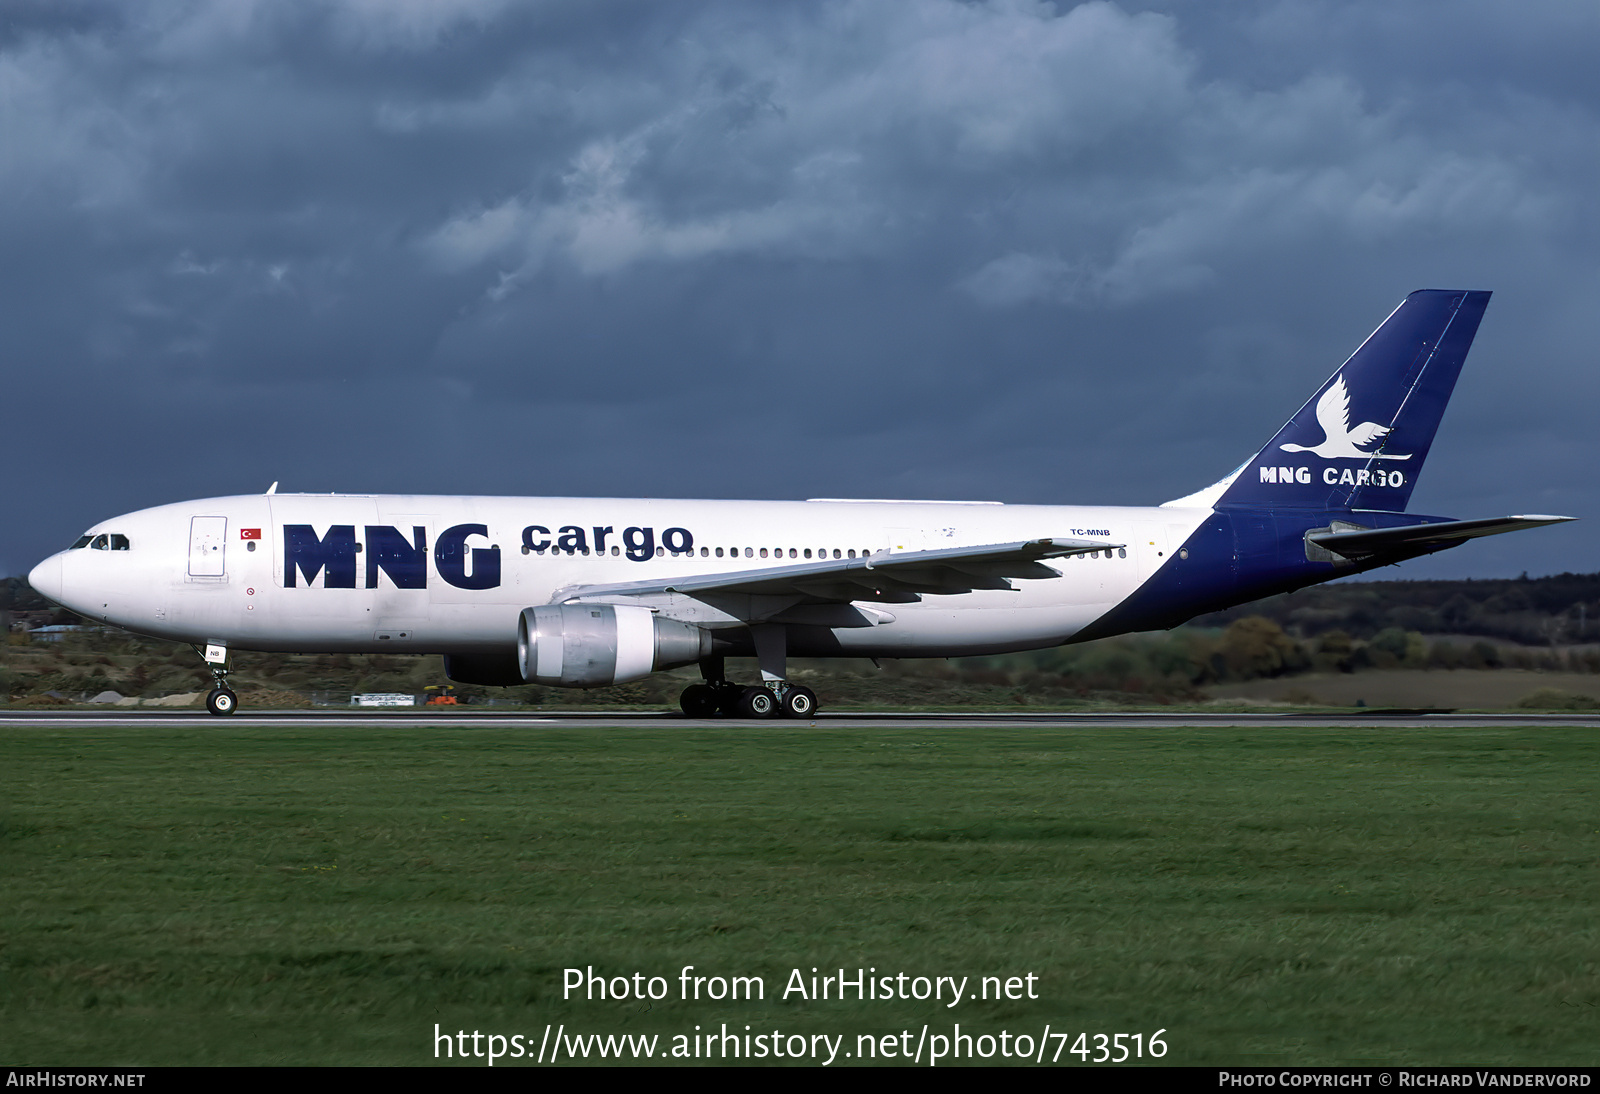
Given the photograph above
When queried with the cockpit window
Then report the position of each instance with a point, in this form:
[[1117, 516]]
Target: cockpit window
[[83, 541], [119, 542], [100, 543]]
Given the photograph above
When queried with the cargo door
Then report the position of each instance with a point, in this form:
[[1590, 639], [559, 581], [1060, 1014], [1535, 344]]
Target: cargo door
[[396, 570]]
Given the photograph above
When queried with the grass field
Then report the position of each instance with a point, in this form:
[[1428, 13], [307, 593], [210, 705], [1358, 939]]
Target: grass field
[[227, 895]]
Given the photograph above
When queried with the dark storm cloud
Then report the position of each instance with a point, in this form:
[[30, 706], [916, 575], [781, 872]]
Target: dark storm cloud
[[1089, 253]]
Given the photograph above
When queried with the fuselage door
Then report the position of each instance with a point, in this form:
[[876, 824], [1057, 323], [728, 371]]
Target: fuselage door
[[906, 539], [208, 546], [1149, 548]]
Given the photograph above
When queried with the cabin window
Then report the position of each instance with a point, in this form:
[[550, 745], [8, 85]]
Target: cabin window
[[616, 550], [1122, 552], [660, 552], [763, 552], [852, 553], [748, 552], [705, 552], [808, 552]]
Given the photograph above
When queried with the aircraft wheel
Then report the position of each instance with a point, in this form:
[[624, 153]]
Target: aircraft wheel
[[799, 703], [757, 703], [221, 701], [699, 701]]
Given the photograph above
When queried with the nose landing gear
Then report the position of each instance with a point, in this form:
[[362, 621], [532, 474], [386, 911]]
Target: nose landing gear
[[220, 700]]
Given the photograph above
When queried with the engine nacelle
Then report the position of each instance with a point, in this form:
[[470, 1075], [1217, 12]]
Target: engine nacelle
[[591, 645]]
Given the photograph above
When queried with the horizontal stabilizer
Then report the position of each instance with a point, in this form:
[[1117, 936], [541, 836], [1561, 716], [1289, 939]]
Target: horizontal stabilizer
[[1416, 538], [899, 577]]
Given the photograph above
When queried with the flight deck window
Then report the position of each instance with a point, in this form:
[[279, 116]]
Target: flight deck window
[[100, 544], [83, 541]]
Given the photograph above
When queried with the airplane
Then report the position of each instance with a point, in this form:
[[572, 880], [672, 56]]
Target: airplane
[[586, 592]]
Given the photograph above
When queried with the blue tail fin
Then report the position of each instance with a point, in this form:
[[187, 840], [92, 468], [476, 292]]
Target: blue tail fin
[[1360, 442]]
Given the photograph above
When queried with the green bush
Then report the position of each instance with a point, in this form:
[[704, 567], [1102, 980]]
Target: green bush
[[1557, 699]]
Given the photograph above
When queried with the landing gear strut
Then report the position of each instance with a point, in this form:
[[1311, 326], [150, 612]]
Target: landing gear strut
[[774, 697], [220, 700]]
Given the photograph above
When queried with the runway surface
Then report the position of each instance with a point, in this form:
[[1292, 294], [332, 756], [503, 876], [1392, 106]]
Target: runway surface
[[333, 719]]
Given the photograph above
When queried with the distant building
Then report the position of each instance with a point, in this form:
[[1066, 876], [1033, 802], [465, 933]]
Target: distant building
[[57, 632], [29, 620]]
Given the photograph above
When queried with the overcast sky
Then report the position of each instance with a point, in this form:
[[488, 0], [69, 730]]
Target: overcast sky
[[1090, 253]]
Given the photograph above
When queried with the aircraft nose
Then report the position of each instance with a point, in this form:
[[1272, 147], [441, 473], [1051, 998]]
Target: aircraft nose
[[46, 578]]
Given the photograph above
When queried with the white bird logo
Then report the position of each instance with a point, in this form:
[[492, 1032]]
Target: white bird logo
[[1341, 442]]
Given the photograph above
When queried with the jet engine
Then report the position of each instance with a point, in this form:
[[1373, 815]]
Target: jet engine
[[591, 645]]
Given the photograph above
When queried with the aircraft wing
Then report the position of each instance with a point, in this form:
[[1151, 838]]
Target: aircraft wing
[[1365, 543], [898, 578]]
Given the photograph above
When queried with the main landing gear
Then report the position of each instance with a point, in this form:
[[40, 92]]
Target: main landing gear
[[220, 700], [780, 699], [775, 697]]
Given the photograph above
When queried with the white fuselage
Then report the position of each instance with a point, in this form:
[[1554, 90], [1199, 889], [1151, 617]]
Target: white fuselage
[[226, 570]]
